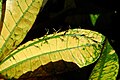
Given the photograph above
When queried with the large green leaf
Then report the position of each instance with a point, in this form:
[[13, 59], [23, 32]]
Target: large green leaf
[[79, 46], [19, 18], [107, 67]]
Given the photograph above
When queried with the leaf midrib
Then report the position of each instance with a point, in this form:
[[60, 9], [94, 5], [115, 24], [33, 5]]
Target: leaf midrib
[[40, 40], [51, 52]]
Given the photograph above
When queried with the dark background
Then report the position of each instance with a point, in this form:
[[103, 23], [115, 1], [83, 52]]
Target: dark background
[[55, 15]]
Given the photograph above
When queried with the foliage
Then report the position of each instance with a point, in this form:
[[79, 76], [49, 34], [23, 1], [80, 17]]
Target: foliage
[[94, 18], [80, 46]]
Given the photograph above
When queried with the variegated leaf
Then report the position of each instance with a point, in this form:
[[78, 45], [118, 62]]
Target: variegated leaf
[[82, 47], [19, 18]]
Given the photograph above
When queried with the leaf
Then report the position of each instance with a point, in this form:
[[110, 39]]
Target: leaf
[[107, 67], [44, 3], [79, 46], [94, 18], [0, 16], [0, 7], [2, 13], [19, 18]]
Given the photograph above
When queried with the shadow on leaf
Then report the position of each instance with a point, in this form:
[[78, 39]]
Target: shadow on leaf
[[59, 70]]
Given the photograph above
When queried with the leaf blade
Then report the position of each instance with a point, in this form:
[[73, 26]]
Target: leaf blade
[[19, 18], [2, 13], [94, 18], [76, 46], [107, 67]]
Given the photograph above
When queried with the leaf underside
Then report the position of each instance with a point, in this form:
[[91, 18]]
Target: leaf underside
[[82, 47]]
